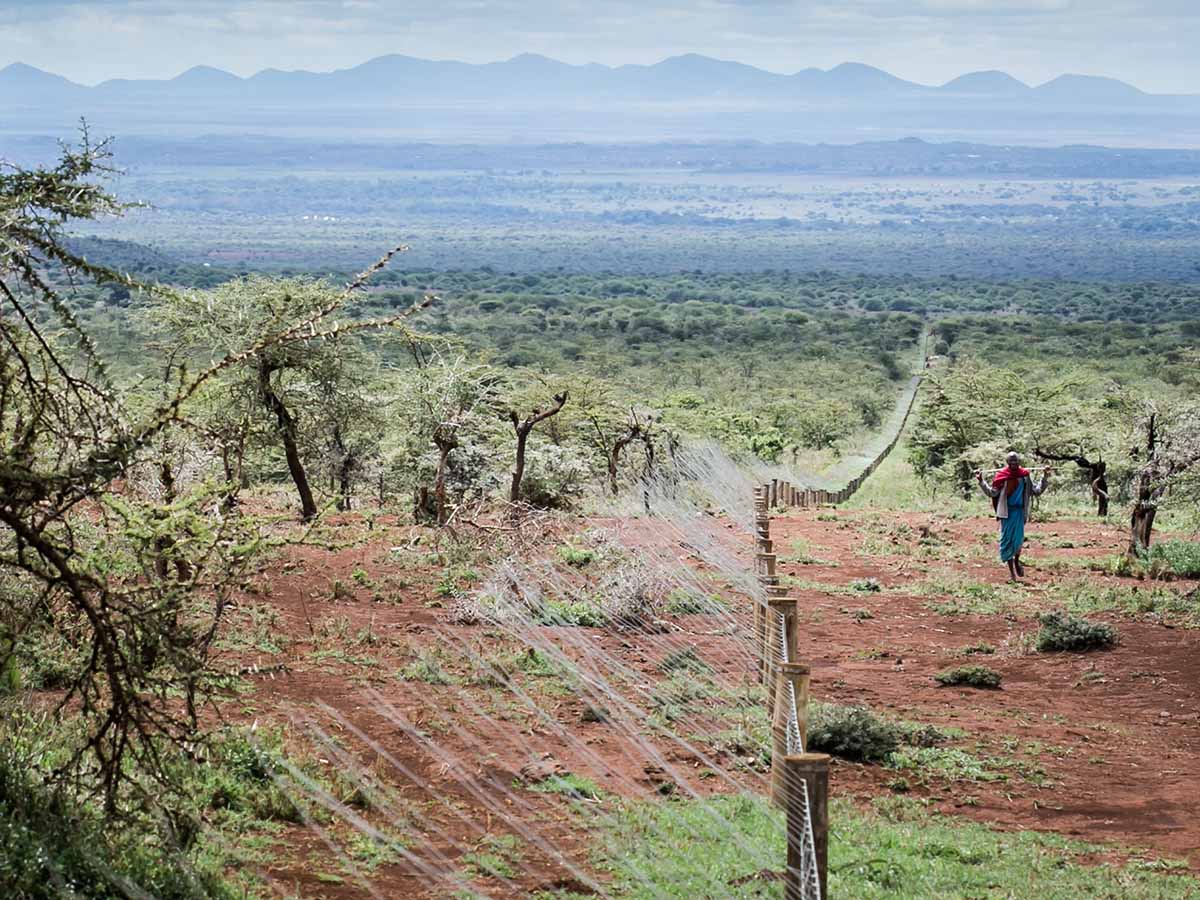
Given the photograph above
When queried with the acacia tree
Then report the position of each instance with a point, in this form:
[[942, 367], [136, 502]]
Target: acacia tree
[[134, 582], [1165, 448], [445, 402], [1095, 470], [972, 414], [522, 428], [608, 425], [284, 386]]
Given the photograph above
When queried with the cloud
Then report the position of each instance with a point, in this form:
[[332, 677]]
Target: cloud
[[1148, 42]]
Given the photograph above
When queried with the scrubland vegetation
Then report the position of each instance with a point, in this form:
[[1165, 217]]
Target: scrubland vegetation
[[501, 511]]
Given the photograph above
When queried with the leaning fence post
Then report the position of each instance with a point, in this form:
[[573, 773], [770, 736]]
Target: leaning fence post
[[807, 779]]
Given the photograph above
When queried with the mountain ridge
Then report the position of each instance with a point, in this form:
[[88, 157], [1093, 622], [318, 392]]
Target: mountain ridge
[[685, 75]]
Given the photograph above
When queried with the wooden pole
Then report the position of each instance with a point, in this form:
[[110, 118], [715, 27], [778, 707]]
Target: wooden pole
[[798, 674], [791, 676], [811, 770]]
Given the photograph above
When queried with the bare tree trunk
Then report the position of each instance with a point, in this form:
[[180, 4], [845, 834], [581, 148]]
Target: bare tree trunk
[[1100, 493], [522, 429], [614, 456], [1141, 519], [444, 445], [1141, 525], [518, 472], [286, 426], [345, 470]]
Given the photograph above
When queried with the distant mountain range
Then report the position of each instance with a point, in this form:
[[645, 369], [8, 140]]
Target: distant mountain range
[[406, 81], [688, 96]]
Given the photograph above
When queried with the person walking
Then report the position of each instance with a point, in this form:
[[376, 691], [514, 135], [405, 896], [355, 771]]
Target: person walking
[[1010, 490]]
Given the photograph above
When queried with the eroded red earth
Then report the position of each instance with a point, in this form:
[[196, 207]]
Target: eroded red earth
[[1102, 746]]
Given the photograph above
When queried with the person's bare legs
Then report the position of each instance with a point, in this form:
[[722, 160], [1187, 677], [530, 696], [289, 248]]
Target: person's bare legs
[[1012, 569], [1020, 568]]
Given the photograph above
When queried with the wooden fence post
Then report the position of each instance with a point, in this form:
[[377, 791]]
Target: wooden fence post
[[792, 680], [811, 770]]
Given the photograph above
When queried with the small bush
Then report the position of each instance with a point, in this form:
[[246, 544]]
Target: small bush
[[969, 676], [1063, 632], [981, 649], [578, 557], [866, 585], [1180, 558], [852, 732], [572, 612], [52, 845]]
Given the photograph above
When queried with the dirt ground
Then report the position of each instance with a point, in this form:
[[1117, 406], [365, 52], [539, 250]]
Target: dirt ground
[[1101, 746], [1116, 732]]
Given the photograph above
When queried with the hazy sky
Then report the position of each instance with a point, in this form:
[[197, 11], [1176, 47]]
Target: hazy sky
[[1151, 43]]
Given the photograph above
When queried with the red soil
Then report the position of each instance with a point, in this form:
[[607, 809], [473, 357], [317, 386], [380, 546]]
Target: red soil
[[1117, 732]]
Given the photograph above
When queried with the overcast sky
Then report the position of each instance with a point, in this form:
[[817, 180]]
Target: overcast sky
[[1151, 43]]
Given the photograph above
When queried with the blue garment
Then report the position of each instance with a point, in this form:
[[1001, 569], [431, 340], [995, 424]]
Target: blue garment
[[1012, 529]]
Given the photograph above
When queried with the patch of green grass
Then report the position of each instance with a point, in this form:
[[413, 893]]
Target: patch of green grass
[[748, 743], [1179, 558], [429, 667], [685, 603], [680, 696], [1061, 631], [969, 676], [980, 649], [570, 785], [370, 852], [866, 585], [685, 660], [959, 597], [577, 557], [455, 582], [721, 847], [1082, 597], [537, 663], [496, 856], [950, 763]]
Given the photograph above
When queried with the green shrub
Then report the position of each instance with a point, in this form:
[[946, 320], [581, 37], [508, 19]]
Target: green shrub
[[969, 676], [866, 585], [1180, 558], [1061, 631], [577, 557], [852, 732], [980, 649], [572, 612], [53, 847]]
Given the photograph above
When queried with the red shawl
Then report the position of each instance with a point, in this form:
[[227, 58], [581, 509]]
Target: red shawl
[[1009, 478]]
